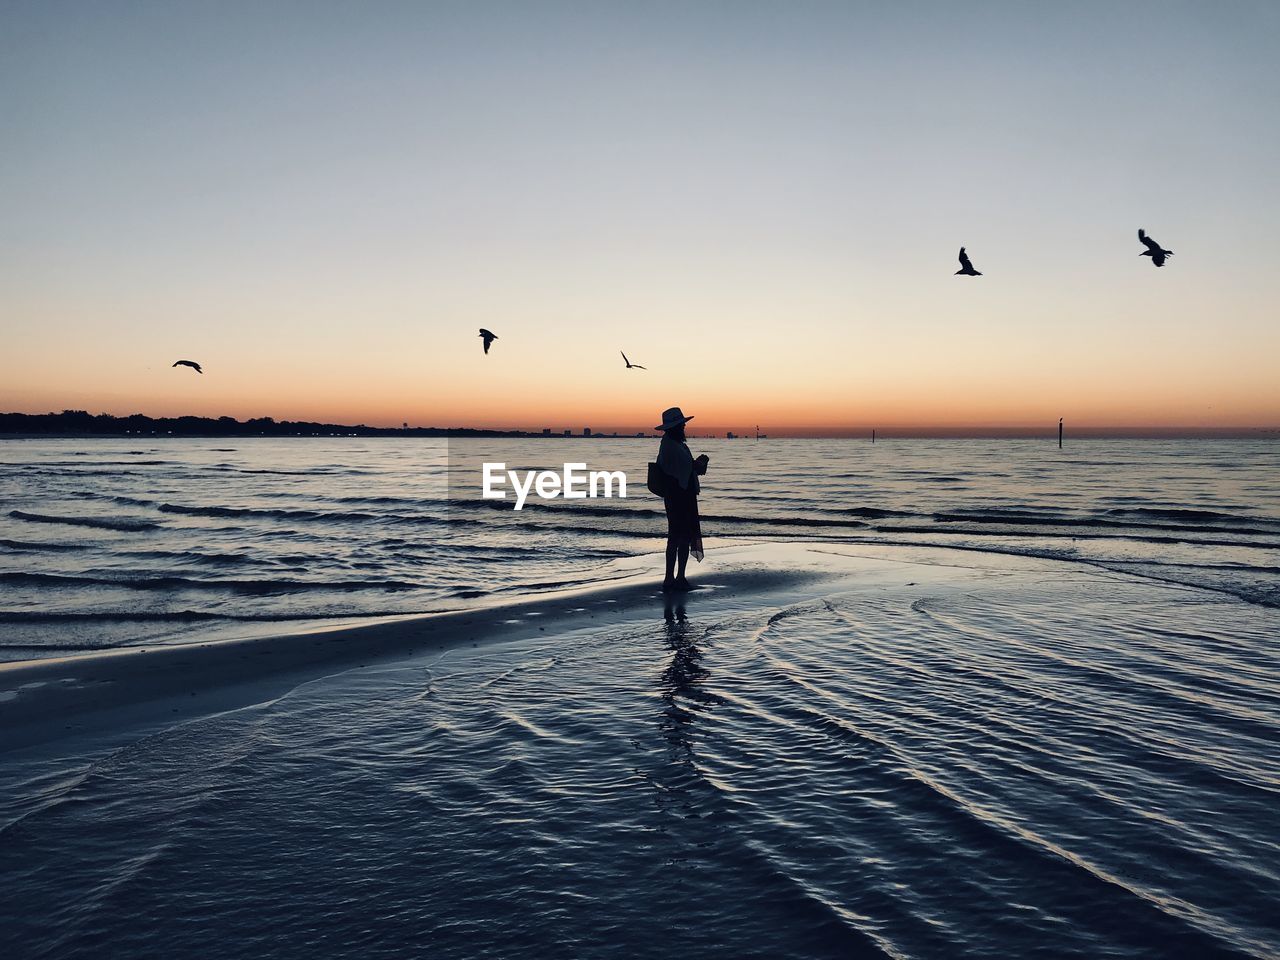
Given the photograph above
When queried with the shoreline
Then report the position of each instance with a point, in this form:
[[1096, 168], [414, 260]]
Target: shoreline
[[57, 698], [1044, 717], [708, 433]]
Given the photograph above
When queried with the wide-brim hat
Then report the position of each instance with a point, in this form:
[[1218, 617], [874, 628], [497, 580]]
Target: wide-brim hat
[[671, 418]]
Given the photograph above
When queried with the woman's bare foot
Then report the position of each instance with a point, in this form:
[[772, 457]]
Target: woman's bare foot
[[668, 585], [683, 584]]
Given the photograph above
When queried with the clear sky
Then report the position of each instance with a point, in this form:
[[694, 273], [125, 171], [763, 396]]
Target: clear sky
[[760, 202]]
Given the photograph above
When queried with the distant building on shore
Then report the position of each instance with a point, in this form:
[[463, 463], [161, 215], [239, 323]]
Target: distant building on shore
[[730, 435], [568, 432], [586, 431], [546, 431]]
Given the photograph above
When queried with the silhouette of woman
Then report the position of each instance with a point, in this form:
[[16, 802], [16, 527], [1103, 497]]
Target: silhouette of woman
[[684, 530]]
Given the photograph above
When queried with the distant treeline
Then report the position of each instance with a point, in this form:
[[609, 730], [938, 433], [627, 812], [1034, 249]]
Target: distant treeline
[[80, 423]]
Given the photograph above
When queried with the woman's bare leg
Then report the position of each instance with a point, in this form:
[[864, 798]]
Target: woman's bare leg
[[683, 553], [670, 578]]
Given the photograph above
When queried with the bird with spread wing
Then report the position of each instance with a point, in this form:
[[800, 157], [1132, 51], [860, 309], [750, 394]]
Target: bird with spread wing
[[189, 363], [1156, 252], [488, 336], [630, 365], [966, 266]]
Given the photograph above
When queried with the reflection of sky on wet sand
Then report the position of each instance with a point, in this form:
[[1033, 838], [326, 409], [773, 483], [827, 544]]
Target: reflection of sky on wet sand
[[990, 759]]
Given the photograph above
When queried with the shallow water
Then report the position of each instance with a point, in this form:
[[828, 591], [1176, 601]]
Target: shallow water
[[1078, 764], [111, 542]]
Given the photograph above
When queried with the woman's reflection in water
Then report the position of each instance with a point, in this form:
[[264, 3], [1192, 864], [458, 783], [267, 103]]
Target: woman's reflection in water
[[684, 697]]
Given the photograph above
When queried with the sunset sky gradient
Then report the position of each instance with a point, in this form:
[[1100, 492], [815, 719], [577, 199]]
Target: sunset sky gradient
[[762, 203]]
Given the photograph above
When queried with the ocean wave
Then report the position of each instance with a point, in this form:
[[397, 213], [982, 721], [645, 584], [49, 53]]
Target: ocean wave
[[268, 513], [277, 473], [788, 521], [110, 498], [1034, 518], [588, 511], [36, 545], [1196, 576], [531, 523], [171, 582], [1006, 523], [96, 523], [174, 616], [61, 473], [58, 645], [195, 556], [302, 516], [533, 512], [1077, 533], [1175, 520], [1228, 567], [77, 464], [1259, 594], [500, 552], [313, 472], [382, 501], [877, 513], [1182, 514], [126, 501]]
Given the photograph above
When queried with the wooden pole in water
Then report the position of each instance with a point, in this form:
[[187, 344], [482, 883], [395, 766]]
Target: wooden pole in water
[[1059, 433], [873, 436]]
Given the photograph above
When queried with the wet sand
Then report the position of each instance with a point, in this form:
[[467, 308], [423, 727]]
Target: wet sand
[[128, 688], [826, 751]]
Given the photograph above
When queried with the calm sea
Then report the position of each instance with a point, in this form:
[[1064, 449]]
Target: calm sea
[[1057, 760], [110, 542]]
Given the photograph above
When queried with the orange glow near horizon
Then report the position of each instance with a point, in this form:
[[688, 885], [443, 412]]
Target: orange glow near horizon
[[455, 388], [763, 210], [865, 358]]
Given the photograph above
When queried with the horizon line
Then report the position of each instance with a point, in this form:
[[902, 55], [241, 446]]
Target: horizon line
[[1023, 430]]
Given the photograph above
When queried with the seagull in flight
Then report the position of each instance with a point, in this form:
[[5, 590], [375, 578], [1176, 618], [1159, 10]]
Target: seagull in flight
[[489, 336], [189, 363], [630, 365], [1156, 252], [966, 266]]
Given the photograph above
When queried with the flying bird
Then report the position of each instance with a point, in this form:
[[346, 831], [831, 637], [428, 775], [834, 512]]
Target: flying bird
[[1156, 252], [489, 336], [630, 365], [966, 266], [189, 363]]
